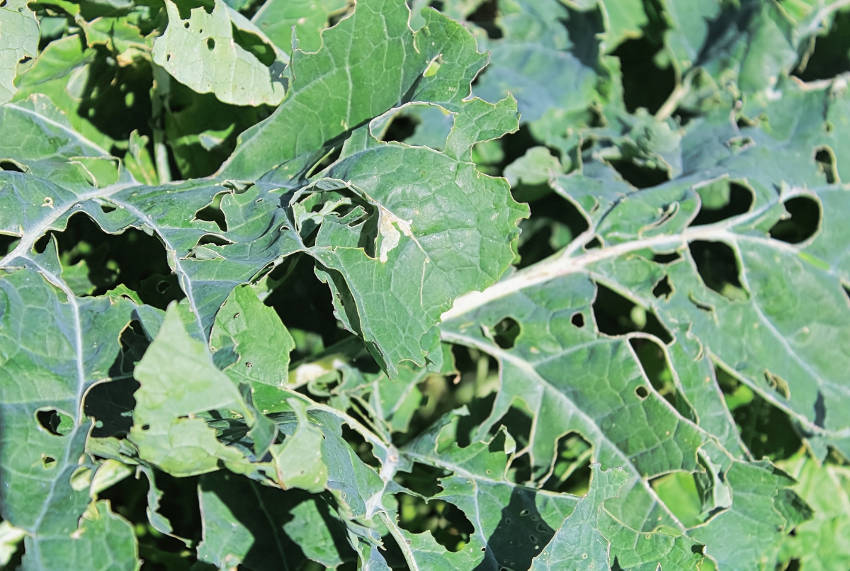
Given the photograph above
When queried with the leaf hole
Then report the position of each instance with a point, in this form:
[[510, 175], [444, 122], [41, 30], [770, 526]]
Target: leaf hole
[[718, 268], [447, 524], [801, 222], [721, 200], [212, 213], [617, 315], [699, 305], [641, 392], [98, 261], [168, 57], [48, 462], [505, 332], [423, 479], [54, 421], [362, 448], [485, 18], [657, 370], [9, 165], [106, 208], [765, 430], [146, 427], [7, 243], [400, 128], [479, 407], [186, 25], [640, 175], [517, 422], [553, 223], [210, 44], [738, 144], [577, 319], [678, 490], [829, 57], [662, 288], [111, 403], [570, 473], [826, 164], [214, 239], [645, 84], [303, 304]]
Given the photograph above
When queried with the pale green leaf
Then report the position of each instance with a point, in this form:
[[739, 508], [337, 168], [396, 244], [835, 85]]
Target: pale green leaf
[[818, 543], [104, 541], [202, 53], [179, 381], [298, 462], [285, 20], [53, 348], [19, 36], [238, 352]]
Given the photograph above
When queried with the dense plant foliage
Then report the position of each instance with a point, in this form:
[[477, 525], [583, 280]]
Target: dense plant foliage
[[490, 284]]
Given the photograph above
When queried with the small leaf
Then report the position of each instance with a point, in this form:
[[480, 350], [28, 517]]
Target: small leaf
[[299, 462]]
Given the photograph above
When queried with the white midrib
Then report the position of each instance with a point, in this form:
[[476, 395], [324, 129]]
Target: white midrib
[[81, 379], [563, 263]]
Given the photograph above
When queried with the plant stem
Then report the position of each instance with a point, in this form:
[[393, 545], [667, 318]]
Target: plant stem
[[409, 558]]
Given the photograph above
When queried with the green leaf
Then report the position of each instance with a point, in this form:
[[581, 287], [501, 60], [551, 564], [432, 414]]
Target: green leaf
[[633, 377], [18, 40], [432, 217], [232, 534], [817, 543], [238, 351], [202, 53], [522, 61], [301, 21], [178, 382], [298, 461], [54, 348], [365, 66], [512, 522], [102, 536]]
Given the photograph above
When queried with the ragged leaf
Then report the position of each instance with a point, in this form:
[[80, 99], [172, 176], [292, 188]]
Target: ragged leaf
[[202, 53], [342, 341], [178, 383], [357, 78], [19, 29]]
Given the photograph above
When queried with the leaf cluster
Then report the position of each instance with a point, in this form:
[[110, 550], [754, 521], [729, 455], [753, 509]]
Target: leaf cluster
[[480, 285]]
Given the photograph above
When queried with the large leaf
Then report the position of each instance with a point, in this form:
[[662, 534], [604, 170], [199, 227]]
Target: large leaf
[[357, 77], [53, 348]]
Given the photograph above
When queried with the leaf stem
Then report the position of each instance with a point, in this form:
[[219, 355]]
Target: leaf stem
[[679, 92], [394, 530], [563, 263], [159, 102], [355, 424]]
